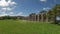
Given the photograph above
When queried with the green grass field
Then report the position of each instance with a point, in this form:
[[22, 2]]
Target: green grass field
[[26, 27]]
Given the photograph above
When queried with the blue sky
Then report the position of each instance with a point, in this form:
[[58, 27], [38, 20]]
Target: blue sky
[[25, 7]]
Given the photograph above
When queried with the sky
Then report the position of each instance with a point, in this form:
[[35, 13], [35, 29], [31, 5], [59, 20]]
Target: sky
[[25, 7]]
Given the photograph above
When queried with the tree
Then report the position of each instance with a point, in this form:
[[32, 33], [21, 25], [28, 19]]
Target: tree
[[54, 12], [43, 11]]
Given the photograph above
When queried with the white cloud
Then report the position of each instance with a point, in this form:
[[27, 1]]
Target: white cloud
[[4, 3], [3, 8], [46, 8], [6, 14], [6, 6], [20, 13], [12, 3], [8, 9], [3, 14], [11, 13], [43, 0]]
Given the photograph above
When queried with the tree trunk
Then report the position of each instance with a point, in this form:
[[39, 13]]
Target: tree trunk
[[55, 21]]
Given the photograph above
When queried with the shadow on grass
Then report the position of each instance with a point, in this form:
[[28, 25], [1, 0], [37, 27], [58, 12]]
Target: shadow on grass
[[57, 23]]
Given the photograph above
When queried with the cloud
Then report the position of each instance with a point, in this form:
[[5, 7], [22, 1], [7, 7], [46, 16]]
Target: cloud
[[6, 9], [7, 5], [3, 14], [4, 3], [20, 13], [46, 8], [11, 14], [12, 3], [6, 14], [43, 0]]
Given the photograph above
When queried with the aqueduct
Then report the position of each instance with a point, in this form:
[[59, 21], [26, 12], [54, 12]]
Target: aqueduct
[[38, 17]]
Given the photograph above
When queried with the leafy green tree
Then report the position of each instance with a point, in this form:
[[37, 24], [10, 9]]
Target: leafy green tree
[[54, 12]]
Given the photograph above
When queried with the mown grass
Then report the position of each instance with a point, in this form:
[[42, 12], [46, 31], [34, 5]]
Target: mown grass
[[27, 27]]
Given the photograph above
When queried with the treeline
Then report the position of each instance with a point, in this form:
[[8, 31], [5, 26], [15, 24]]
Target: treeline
[[11, 17]]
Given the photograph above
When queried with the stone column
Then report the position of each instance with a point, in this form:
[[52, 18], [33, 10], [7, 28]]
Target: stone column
[[42, 17], [38, 17], [34, 17], [46, 18]]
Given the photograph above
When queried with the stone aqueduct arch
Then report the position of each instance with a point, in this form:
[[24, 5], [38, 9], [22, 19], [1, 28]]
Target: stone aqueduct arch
[[38, 17]]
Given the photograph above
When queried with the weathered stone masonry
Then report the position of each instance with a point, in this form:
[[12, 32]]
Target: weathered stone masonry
[[38, 17]]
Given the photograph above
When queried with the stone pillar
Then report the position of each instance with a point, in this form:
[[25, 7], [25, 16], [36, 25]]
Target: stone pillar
[[31, 18], [28, 17], [38, 17], [42, 17], [46, 18], [34, 17]]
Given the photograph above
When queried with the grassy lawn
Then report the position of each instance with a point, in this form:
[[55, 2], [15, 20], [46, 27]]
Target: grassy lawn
[[26, 27]]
